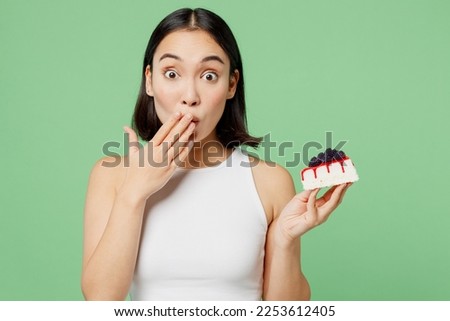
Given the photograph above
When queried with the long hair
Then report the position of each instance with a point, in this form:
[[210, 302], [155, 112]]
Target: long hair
[[231, 129]]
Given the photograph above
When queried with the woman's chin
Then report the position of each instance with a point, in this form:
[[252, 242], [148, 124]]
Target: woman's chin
[[201, 137], [199, 140]]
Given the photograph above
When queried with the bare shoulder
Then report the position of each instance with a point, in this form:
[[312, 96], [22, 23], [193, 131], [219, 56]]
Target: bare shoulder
[[108, 171], [104, 180], [272, 171], [274, 184]]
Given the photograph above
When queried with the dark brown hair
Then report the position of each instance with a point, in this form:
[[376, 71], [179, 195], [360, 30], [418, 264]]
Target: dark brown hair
[[232, 126]]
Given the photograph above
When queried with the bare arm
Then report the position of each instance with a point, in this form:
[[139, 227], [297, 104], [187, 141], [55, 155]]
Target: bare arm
[[283, 277], [293, 216], [112, 230], [115, 204]]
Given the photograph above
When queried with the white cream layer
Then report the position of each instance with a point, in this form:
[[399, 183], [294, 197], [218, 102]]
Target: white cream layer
[[337, 175]]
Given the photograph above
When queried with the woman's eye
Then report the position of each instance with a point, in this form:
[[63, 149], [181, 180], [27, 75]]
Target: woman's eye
[[210, 76], [170, 74]]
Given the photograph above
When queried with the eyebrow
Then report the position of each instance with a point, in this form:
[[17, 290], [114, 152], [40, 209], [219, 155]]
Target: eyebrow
[[205, 59], [168, 55], [213, 58]]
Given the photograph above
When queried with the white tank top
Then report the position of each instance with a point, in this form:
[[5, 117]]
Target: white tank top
[[203, 236]]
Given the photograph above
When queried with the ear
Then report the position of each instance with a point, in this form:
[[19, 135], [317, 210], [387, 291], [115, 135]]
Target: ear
[[148, 81], [234, 78]]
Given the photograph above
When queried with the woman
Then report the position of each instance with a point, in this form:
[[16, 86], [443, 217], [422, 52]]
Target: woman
[[190, 216]]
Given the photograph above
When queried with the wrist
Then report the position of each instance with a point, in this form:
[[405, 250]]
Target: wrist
[[284, 241], [130, 199], [287, 246]]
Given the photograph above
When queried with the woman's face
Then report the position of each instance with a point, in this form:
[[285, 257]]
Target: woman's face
[[191, 74]]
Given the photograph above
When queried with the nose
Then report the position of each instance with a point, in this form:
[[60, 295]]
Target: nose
[[190, 97]]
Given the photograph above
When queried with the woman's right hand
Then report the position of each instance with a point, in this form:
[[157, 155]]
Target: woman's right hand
[[149, 168]]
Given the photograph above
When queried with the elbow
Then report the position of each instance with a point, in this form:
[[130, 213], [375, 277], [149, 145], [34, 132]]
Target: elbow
[[88, 290], [304, 293], [94, 292], [306, 289], [298, 290]]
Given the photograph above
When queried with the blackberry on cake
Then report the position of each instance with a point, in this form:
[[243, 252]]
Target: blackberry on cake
[[332, 167]]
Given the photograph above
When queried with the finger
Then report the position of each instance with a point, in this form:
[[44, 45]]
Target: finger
[[176, 131], [333, 202], [133, 144], [311, 205], [343, 193], [328, 194], [165, 129], [180, 143], [184, 152], [325, 196], [303, 196]]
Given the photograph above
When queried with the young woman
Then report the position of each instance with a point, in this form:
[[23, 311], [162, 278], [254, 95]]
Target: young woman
[[191, 216]]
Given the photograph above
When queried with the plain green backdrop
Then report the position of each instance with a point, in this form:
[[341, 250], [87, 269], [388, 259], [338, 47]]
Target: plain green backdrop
[[376, 74]]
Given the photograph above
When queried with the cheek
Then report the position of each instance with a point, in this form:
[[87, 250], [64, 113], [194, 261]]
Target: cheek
[[217, 100], [216, 95], [165, 104]]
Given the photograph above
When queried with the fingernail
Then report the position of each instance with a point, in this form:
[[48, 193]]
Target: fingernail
[[188, 116]]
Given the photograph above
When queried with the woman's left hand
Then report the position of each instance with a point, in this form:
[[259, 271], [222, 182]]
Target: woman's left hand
[[304, 212]]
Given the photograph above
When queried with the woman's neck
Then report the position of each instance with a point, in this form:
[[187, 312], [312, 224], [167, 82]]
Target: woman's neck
[[206, 153]]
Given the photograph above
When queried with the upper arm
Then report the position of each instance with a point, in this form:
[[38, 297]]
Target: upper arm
[[275, 187], [284, 186], [100, 196]]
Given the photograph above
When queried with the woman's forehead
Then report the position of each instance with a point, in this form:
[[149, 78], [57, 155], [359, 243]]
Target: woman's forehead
[[193, 46]]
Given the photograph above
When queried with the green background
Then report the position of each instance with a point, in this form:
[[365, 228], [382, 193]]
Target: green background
[[374, 73]]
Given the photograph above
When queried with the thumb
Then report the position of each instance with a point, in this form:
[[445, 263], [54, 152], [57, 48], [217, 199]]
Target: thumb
[[303, 196], [299, 200], [133, 144]]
